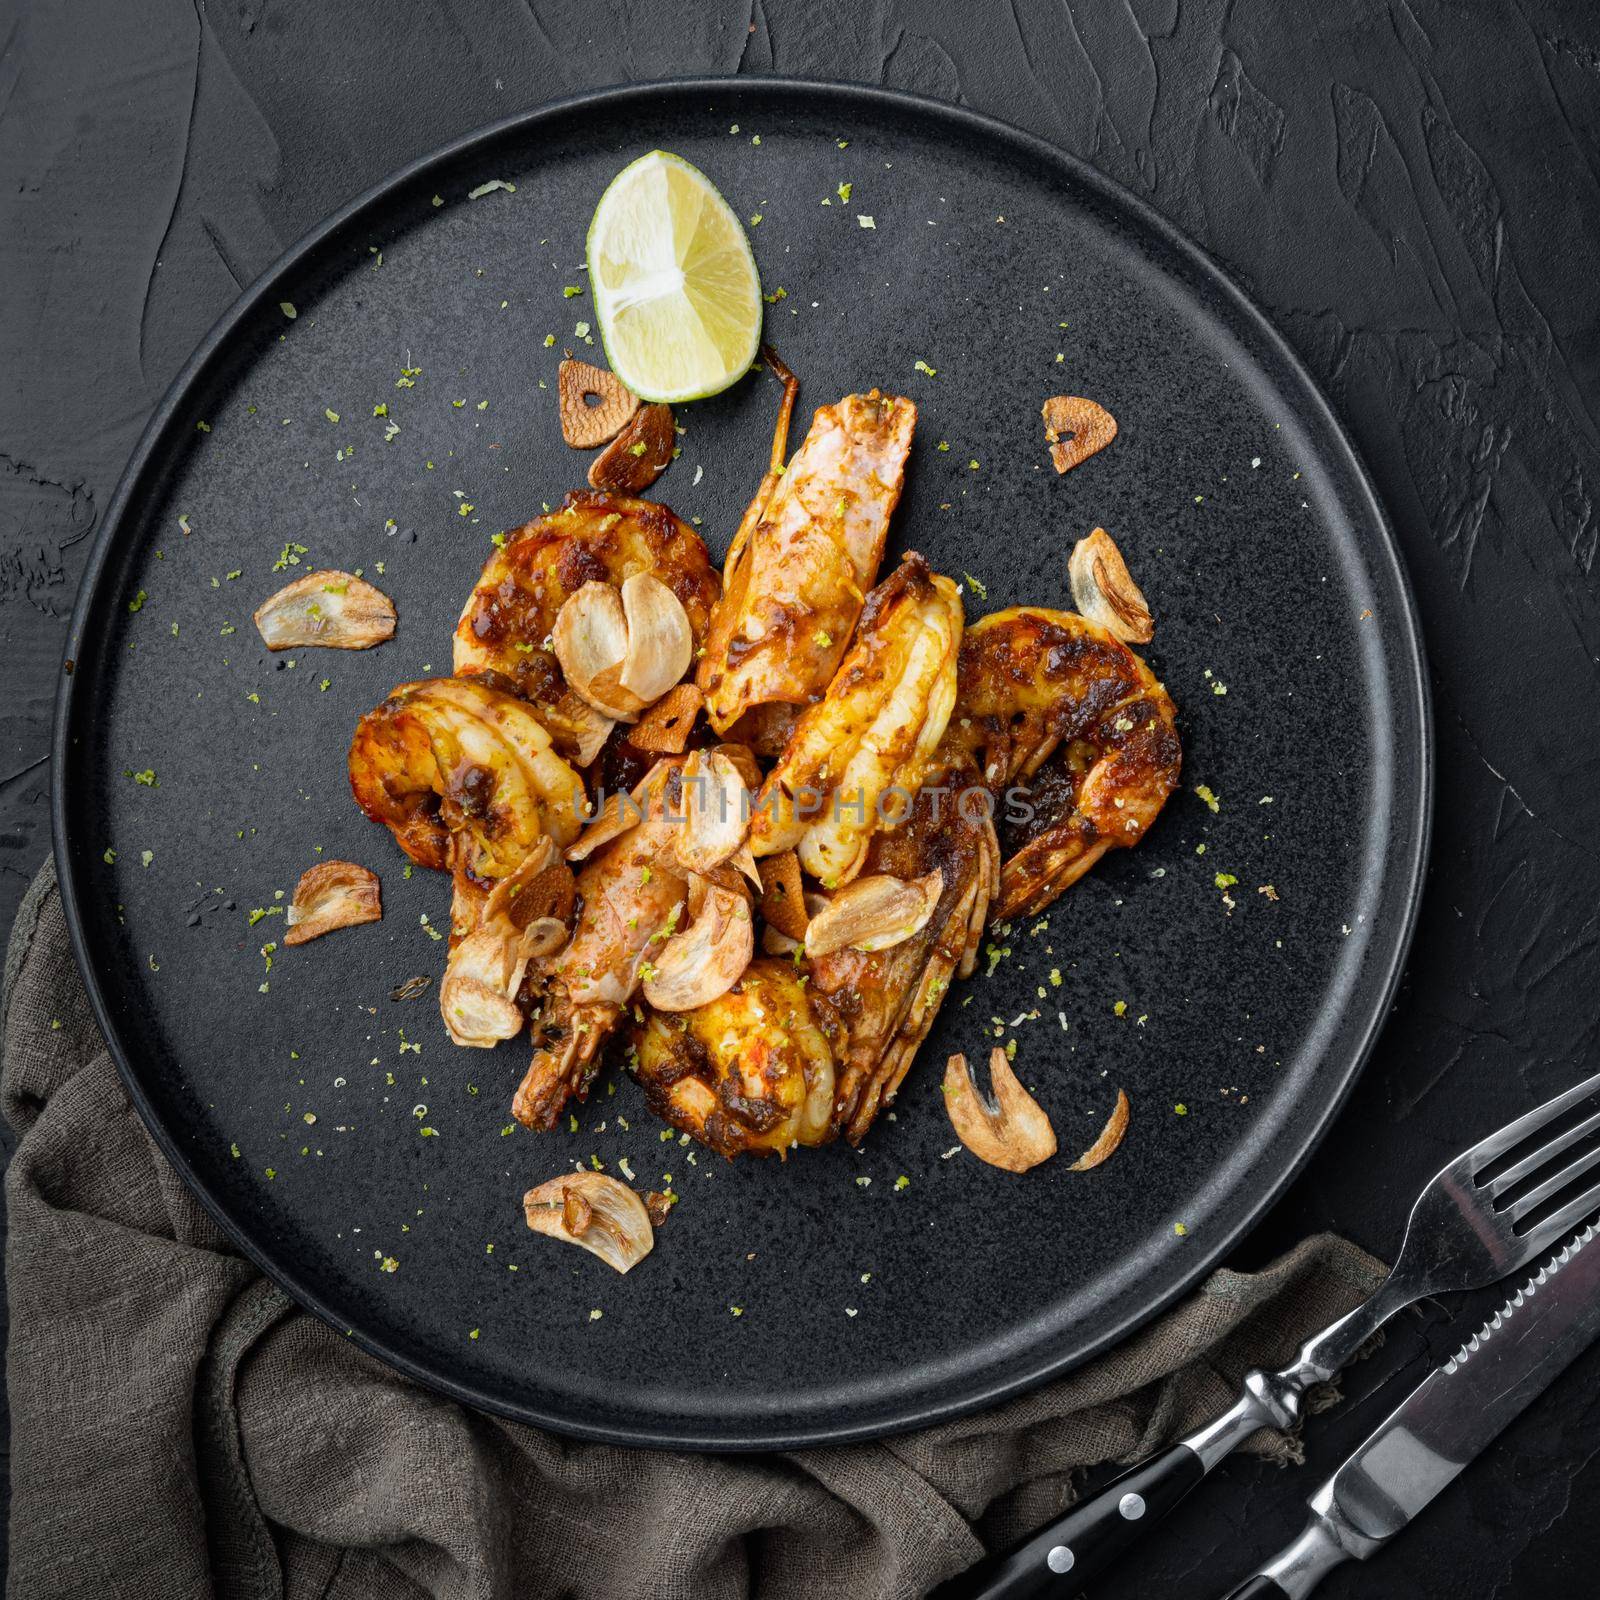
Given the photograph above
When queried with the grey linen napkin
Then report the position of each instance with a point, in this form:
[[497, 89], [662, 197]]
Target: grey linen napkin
[[180, 1427]]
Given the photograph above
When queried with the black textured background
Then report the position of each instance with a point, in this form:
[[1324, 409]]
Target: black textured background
[[1412, 191]]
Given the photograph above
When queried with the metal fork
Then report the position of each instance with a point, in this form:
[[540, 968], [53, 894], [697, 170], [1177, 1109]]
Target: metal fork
[[1462, 1234]]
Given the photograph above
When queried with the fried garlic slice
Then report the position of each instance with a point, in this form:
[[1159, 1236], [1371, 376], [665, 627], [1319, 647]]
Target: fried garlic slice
[[1110, 1137], [585, 426], [595, 1211], [703, 961], [638, 455], [1104, 592], [1076, 429], [332, 894], [1011, 1131], [874, 913], [328, 610]]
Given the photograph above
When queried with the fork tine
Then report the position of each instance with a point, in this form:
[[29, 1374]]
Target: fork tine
[[1539, 1239], [1551, 1187], [1545, 1153], [1485, 1150]]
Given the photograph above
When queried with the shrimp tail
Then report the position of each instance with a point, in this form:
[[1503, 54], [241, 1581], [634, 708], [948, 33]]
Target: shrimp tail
[[565, 1065]]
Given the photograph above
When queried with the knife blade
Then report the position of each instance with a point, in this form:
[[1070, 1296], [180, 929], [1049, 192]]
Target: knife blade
[[1447, 1420]]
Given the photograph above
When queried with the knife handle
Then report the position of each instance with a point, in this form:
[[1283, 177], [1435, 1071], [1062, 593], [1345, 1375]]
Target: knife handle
[[1067, 1553], [1326, 1540]]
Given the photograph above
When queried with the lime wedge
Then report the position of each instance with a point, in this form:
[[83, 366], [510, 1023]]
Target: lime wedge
[[675, 286]]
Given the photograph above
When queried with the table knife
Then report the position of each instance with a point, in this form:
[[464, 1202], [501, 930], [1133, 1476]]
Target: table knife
[[1443, 1423], [1476, 1222]]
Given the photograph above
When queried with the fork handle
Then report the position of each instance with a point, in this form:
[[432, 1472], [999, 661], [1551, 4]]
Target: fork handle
[[1074, 1549]]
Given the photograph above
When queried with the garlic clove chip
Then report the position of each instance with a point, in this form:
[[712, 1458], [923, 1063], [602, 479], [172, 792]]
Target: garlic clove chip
[[476, 1016], [1110, 1137], [623, 810], [585, 426], [542, 937], [595, 1211], [332, 610], [483, 972], [704, 961], [578, 729], [590, 639], [660, 642], [542, 887], [744, 759], [332, 894], [1103, 590], [874, 913], [1012, 1132], [665, 728], [716, 809], [1088, 428], [638, 455], [783, 901]]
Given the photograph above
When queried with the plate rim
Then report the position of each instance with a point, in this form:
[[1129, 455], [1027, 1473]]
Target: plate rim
[[1410, 677]]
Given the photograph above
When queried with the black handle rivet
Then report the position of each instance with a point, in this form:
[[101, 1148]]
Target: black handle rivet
[[1131, 1506], [1060, 1559]]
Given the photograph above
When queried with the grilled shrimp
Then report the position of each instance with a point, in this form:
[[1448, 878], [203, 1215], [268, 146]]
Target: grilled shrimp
[[855, 757], [805, 555], [630, 893], [506, 624], [464, 776], [886, 1001], [781, 1060], [750, 1072], [1056, 705]]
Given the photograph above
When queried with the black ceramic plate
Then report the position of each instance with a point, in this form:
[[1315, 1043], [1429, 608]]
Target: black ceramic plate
[[1231, 973]]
